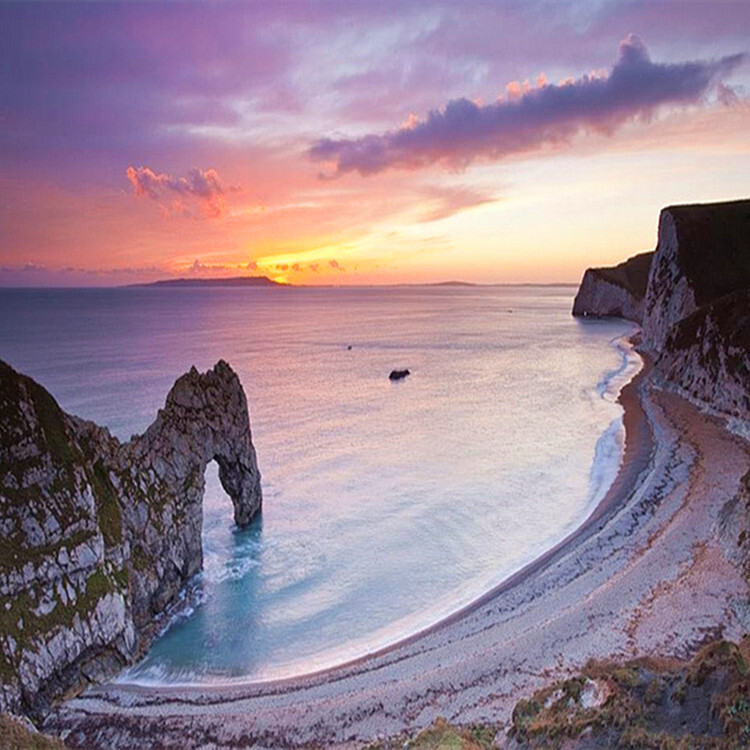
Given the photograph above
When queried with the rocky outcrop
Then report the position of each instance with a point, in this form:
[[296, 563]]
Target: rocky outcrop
[[696, 306], [706, 356], [98, 537], [619, 291], [18, 733], [644, 703], [697, 318], [399, 374], [703, 254]]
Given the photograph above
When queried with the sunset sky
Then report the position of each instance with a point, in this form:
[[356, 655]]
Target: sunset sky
[[360, 142]]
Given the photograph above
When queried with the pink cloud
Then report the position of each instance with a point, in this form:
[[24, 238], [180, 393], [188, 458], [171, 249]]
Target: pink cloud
[[205, 188], [447, 201]]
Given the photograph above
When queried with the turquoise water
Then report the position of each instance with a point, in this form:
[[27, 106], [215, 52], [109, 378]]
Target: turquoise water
[[387, 505]]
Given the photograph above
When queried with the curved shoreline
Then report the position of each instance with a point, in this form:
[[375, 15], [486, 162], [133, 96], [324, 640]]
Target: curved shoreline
[[592, 595], [636, 454]]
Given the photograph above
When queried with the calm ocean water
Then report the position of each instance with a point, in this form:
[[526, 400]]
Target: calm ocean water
[[386, 505]]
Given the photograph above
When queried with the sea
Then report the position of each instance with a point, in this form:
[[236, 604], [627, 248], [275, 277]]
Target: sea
[[387, 506]]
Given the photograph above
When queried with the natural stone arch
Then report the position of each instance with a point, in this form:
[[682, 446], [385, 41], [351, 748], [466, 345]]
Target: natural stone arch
[[98, 536], [205, 418]]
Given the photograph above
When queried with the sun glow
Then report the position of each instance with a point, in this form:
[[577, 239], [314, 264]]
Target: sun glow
[[392, 163]]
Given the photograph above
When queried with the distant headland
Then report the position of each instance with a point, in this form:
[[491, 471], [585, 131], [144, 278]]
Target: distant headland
[[242, 281]]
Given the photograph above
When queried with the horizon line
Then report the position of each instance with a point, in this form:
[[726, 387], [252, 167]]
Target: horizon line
[[287, 285]]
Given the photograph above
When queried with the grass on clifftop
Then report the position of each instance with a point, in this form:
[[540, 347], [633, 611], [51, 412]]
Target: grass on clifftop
[[714, 242], [444, 736], [14, 735], [703, 703], [631, 274]]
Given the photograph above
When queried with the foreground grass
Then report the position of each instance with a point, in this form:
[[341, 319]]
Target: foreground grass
[[14, 735], [444, 736], [649, 704]]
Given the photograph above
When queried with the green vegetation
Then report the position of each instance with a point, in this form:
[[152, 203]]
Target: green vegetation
[[444, 736], [52, 421], [631, 275], [703, 703], [141, 561], [14, 735], [15, 553], [714, 247], [729, 317], [107, 505], [19, 621]]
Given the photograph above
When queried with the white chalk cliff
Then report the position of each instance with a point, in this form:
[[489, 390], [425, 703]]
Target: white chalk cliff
[[696, 307], [615, 292], [99, 537]]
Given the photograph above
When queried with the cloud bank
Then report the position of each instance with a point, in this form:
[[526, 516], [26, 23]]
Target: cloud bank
[[204, 187], [530, 118]]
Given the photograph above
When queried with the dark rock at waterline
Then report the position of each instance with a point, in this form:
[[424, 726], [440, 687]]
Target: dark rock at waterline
[[398, 374]]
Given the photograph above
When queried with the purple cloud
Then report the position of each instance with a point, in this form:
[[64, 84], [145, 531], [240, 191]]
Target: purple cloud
[[206, 187], [530, 118]]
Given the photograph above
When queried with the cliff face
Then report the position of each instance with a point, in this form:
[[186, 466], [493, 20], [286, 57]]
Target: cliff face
[[97, 537], [696, 307], [703, 254], [697, 321], [707, 355], [615, 292]]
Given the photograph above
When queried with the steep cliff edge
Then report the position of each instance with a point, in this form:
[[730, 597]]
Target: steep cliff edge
[[706, 356], [696, 305], [703, 254], [96, 536], [619, 291], [697, 316]]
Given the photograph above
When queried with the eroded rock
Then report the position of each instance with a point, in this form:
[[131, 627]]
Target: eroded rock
[[619, 291], [703, 254], [696, 308], [99, 537]]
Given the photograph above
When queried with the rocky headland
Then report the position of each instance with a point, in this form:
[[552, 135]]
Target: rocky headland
[[619, 291], [99, 537], [694, 307]]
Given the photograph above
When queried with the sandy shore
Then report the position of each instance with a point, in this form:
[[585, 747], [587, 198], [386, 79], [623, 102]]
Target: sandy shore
[[648, 573]]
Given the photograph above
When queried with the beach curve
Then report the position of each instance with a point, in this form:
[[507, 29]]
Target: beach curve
[[617, 586]]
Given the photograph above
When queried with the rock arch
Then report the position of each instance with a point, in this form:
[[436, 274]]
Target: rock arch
[[205, 418], [98, 536]]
